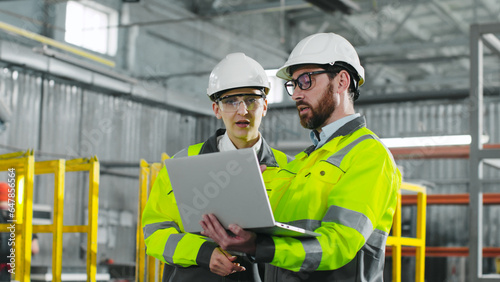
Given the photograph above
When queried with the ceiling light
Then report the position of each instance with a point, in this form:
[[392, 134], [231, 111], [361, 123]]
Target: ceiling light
[[430, 141]]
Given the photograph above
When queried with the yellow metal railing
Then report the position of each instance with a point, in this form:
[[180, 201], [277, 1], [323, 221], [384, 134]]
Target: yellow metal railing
[[147, 267], [58, 168], [140, 264], [92, 166], [396, 241], [26, 168]]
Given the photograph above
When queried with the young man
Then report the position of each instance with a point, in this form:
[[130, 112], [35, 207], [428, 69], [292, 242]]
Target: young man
[[238, 86], [344, 186]]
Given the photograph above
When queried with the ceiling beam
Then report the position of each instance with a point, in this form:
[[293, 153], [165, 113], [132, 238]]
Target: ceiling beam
[[391, 48], [404, 21], [400, 25], [259, 8], [215, 13], [426, 81], [394, 60], [177, 14], [442, 9], [363, 30], [492, 42]]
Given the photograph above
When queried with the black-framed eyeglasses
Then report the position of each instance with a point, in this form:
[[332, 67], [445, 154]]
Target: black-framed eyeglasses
[[232, 103], [303, 81]]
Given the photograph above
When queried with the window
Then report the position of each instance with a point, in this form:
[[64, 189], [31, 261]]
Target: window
[[91, 26]]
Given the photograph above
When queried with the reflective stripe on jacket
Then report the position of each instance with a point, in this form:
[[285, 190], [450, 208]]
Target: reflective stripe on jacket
[[346, 190], [187, 256]]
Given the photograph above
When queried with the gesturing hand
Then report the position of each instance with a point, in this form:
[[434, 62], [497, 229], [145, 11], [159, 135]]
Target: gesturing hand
[[241, 241], [221, 263]]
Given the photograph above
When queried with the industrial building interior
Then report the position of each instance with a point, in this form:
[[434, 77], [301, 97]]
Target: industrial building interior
[[95, 94]]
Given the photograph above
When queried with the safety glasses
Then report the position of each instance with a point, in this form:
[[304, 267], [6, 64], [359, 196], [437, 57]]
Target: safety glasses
[[303, 81], [232, 103]]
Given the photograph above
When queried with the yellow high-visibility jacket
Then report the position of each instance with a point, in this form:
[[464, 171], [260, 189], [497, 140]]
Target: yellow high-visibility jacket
[[346, 190], [187, 255]]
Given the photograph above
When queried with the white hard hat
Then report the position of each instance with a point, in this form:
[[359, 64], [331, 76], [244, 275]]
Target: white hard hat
[[237, 70], [323, 48]]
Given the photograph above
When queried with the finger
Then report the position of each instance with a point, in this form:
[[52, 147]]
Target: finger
[[212, 223], [237, 230], [228, 255], [238, 268], [233, 268], [208, 228], [218, 229], [204, 227], [228, 267], [207, 224], [213, 220], [263, 168]]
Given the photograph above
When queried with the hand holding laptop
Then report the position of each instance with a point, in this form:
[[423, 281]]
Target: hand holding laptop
[[242, 241]]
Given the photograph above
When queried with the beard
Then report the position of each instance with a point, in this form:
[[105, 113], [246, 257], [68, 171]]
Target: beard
[[319, 115]]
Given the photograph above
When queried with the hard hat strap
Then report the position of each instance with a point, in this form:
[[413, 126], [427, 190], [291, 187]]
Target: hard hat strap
[[354, 77]]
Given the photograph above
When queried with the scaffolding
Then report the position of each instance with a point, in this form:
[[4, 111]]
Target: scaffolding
[[22, 167], [480, 35]]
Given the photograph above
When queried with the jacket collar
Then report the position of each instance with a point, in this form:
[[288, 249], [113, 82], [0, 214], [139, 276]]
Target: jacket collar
[[210, 146], [265, 154], [345, 130]]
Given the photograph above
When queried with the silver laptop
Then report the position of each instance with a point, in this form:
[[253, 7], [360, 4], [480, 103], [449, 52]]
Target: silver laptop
[[229, 185]]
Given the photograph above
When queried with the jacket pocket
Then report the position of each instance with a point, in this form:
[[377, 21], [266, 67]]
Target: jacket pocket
[[325, 172]]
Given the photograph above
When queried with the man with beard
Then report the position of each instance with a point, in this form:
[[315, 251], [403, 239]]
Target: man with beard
[[344, 186]]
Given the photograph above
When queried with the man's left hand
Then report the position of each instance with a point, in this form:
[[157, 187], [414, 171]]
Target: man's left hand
[[241, 241]]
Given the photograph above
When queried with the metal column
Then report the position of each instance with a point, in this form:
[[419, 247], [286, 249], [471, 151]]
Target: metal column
[[479, 34]]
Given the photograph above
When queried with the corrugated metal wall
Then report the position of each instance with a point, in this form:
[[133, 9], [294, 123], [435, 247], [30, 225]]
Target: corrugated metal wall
[[60, 119]]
